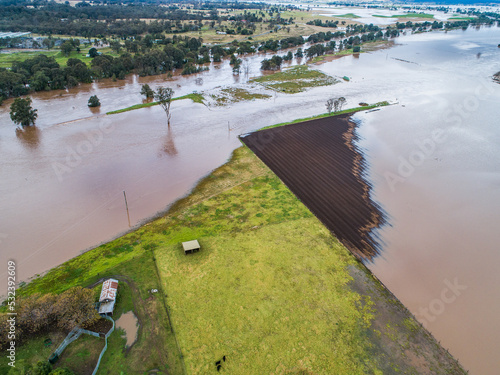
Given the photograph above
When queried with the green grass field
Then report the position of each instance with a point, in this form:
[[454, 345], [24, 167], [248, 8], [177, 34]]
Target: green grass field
[[6, 59], [273, 298], [413, 15], [295, 79]]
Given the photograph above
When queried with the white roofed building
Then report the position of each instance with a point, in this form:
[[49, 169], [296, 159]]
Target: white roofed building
[[108, 296]]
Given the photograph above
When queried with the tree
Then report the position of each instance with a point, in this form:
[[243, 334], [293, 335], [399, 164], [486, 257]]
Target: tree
[[93, 52], [42, 368], [67, 47], [115, 46], [94, 101], [163, 96], [75, 307], [274, 63], [22, 113], [147, 91], [329, 106], [338, 104], [48, 43]]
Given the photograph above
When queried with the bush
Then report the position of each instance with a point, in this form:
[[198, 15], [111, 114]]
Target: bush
[[94, 101], [42, 368], [356, 49]]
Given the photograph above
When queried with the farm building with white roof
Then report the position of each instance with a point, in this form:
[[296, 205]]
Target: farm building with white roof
[[108, 296]]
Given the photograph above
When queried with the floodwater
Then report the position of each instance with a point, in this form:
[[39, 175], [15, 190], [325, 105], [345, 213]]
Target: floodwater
[[62, 182], [128, 322], [383, 16]]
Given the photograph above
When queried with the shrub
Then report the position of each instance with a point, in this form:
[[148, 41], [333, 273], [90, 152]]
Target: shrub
[[94, 101]]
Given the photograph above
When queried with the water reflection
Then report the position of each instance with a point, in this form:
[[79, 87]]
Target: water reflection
[[95, 110], [29, 136], [168, 146]]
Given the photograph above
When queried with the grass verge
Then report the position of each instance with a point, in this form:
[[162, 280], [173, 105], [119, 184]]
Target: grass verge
[[195, 97], [349, 110]]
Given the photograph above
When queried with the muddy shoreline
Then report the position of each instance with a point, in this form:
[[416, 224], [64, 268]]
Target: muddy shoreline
[[320, 163]]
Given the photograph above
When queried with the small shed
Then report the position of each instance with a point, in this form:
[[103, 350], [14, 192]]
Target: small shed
[[191, 246], [108, 296]]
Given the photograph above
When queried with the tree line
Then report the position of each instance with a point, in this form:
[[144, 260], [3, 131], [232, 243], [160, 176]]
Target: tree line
[[120, 19], [44, 73]]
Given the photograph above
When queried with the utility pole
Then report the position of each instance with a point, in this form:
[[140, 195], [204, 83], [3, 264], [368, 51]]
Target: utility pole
[[126, 206]]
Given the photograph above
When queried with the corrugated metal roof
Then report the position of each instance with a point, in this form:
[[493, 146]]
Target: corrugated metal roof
[[107, 307], [109, 289]]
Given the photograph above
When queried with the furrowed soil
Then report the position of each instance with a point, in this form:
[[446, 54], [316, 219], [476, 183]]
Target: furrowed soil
[[319, 163]]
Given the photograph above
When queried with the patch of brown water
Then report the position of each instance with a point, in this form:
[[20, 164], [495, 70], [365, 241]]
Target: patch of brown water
[[129, 323]]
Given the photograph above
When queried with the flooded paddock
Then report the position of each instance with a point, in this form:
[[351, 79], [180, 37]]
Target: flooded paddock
[[62, 183]]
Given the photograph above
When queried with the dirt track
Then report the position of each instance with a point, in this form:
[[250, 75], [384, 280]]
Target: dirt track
[[319, 164]]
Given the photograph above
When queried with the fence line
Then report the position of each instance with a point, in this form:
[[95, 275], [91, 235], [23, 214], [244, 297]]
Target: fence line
[[105, 344]]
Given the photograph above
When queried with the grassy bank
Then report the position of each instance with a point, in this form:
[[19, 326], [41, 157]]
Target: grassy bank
[[295, 79], [344, 111], [196, 98]]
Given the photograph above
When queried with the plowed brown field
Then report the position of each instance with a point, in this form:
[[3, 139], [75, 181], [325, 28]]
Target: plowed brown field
[[319, 163]]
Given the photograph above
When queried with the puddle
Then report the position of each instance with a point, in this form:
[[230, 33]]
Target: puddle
[[128, 322]]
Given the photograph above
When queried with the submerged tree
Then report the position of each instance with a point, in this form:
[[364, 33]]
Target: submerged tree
[[22, 113], [147, 91], [94, 101], [163, 96]]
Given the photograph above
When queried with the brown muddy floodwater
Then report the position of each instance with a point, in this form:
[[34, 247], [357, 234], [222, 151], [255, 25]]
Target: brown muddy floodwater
[[62, 183], [128, 322]]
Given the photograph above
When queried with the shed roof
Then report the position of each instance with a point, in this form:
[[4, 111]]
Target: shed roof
[[107, 307], [191, 245], [109, 289]]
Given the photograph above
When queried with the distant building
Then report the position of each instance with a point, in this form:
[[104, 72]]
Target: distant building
[[108, 297], [5, 35], [221, 32]]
